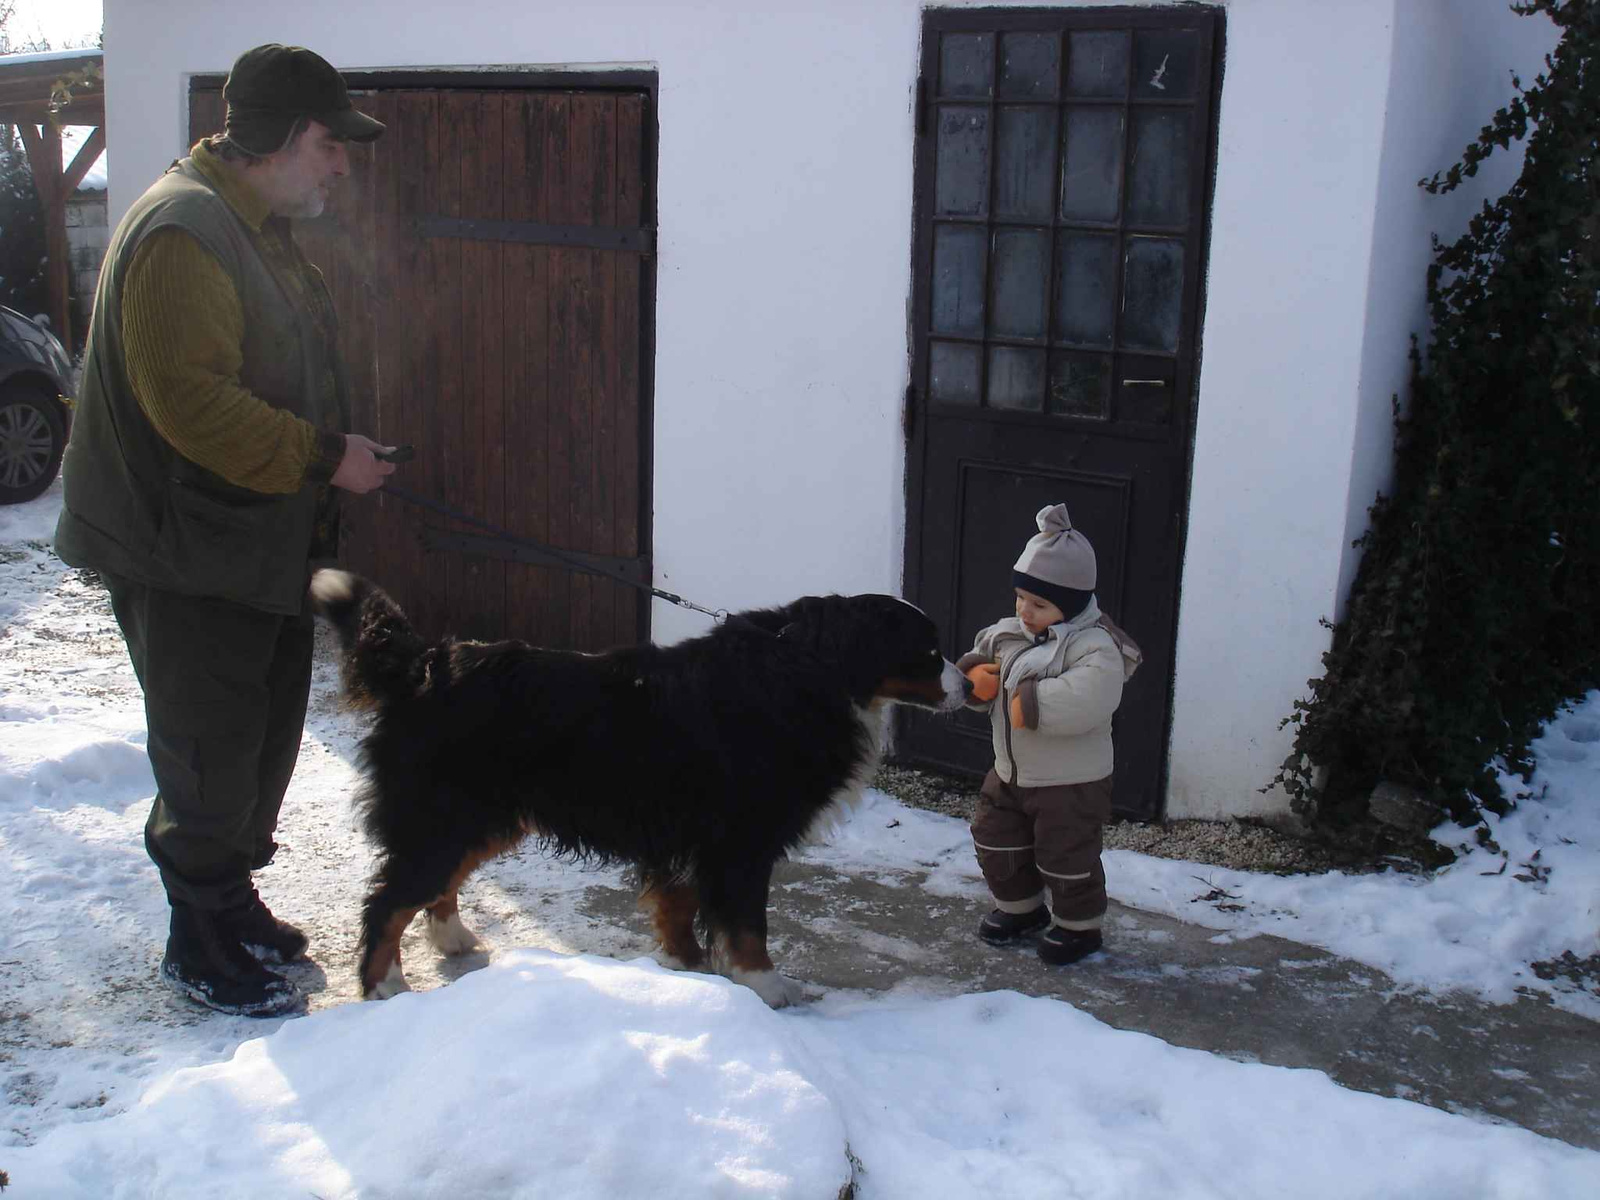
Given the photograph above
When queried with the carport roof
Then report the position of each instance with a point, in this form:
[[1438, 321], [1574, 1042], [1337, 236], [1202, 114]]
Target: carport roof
[[28, 87]]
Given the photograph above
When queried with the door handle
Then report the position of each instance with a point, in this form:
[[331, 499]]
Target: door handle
[[1144, 383]]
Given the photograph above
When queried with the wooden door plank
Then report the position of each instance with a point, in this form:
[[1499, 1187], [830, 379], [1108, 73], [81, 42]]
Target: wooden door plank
[[445, 409], [529, 589], [597, 124], [485, 466], [343, 245], [349, 272], [566, 592], [380, 557], [414, 370], [626, 301]]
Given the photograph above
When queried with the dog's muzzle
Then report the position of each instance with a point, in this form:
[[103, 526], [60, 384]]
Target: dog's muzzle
[[957, 687]]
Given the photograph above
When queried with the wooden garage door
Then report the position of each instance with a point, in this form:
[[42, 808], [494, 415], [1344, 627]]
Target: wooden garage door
[[491, 267]]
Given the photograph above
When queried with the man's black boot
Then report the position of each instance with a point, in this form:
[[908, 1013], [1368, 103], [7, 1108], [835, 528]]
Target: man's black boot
[[207, 964], [264, 935]]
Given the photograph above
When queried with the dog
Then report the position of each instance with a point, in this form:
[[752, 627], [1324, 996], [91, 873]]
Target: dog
[[700, 764]]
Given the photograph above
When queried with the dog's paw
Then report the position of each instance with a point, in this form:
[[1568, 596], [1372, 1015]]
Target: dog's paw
[[450, 936], [779, 991], [391, 984]]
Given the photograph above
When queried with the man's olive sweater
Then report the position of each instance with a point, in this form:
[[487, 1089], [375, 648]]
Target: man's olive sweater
[[212, 400]]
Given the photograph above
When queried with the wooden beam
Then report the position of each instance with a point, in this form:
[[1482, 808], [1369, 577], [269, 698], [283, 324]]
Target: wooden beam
[[84, 110], [43, 144], [39, 162]]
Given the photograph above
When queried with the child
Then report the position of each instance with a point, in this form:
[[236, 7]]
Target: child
[[1050, 677]]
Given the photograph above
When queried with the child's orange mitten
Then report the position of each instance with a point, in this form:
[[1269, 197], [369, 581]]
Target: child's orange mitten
[[1024, 709], [985, 681]]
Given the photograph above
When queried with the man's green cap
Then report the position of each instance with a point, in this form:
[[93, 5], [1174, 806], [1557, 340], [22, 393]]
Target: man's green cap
[[272, 86]]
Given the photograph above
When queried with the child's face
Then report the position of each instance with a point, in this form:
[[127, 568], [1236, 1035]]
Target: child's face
[[1036, 613]]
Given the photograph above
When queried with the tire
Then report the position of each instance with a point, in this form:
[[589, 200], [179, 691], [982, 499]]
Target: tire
[[33, 435]]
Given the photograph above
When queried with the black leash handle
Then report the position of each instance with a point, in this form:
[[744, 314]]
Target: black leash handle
[[455, 514]]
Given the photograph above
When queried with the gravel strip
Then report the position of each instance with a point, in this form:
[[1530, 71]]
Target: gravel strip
[[1240, 845]]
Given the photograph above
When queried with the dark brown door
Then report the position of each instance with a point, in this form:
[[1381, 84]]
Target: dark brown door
[[1062, 179], [490, 266]]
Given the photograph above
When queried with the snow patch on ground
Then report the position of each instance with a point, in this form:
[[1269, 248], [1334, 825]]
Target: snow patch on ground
[[549, 1072]]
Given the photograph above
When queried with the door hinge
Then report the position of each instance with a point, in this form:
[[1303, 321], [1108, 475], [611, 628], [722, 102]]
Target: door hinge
[[533, 233], [922, 106], [908, 415]]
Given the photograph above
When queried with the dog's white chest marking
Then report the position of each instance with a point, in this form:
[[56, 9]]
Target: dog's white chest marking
[[847, 798]]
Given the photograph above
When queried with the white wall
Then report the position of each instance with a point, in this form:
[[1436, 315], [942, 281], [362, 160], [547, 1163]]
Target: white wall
[[1447, 76], [1320, 244], [1300, 124], [784, 270]]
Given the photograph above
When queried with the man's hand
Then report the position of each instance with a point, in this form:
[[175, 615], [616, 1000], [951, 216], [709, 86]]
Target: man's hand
[[359, 471], [985, 681]]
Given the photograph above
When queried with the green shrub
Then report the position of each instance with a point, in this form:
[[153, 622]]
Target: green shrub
[[1475, 612]]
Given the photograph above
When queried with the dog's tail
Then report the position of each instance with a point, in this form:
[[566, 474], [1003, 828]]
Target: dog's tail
[[383, 658]]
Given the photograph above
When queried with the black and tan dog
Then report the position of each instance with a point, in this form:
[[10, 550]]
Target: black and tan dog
[[701, 764]]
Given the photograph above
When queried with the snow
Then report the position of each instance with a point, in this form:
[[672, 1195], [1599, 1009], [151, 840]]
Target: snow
[[1475, 926], [72, 139], [49, 56], [545, 1069]]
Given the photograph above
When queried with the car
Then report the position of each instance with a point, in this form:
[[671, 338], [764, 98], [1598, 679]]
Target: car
[[35, 406]]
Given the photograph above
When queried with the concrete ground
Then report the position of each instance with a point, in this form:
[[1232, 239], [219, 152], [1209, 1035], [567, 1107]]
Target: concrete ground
[[1261, 999]]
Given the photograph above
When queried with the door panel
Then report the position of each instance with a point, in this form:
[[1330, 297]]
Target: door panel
[[1063, 163], [512, 358]]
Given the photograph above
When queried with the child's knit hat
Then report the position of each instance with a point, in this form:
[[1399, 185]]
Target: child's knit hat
[[1057, 563]]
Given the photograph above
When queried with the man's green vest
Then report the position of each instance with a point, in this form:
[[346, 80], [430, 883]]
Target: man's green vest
[[132, 505]]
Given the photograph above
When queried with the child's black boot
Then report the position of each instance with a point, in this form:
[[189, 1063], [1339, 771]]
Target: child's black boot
[[1000, 927], [1059, 946]]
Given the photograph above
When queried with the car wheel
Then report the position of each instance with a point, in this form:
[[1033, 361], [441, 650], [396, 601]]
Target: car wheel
[[32, 438]]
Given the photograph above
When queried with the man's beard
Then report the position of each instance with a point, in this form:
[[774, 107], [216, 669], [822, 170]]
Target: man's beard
[[310, 207]]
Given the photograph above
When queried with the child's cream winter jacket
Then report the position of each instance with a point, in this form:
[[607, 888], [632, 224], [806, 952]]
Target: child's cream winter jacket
[[1070, 682]]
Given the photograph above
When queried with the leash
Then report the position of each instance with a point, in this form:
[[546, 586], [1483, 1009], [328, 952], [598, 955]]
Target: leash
[[720, 615]]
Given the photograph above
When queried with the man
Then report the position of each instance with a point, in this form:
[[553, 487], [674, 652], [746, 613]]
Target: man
[[202, 478]]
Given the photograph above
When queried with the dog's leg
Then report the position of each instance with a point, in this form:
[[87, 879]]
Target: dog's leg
[[672, 907], [735, 904], [742, 955], [408, 881], [383, 923], [444, 927]]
